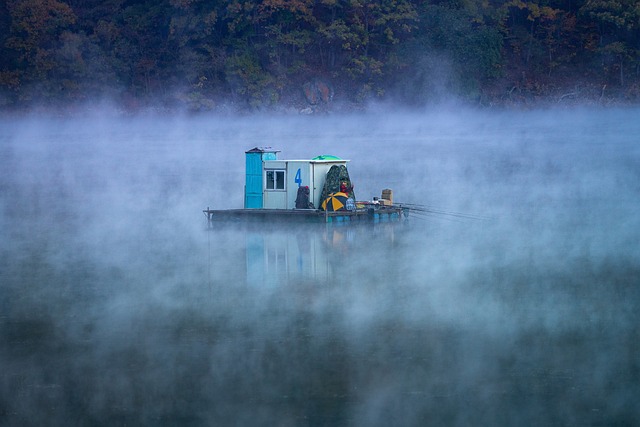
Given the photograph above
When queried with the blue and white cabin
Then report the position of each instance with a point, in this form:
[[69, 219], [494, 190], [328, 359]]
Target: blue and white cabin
[[273, 184]]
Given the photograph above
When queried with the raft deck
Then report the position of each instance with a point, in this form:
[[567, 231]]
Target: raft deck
[[375, 215]]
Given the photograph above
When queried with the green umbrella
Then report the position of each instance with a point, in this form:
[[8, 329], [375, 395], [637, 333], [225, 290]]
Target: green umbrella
[[326, 157]]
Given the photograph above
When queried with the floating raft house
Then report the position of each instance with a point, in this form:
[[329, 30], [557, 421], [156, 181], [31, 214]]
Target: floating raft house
[[315, 190]]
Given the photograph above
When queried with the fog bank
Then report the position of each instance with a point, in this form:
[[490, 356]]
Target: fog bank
[[514, 302]]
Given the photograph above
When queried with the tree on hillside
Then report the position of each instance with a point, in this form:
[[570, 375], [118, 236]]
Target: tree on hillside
[[34, 34], [377, 28], [532, 31], [618, 24], [246, 67], [454, 52], [196, 41], [287, 31]]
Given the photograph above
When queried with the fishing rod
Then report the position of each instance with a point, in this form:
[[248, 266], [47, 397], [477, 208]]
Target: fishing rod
[[427, 217], [424, 210], [431, 209]]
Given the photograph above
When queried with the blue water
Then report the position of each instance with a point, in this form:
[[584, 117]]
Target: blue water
[[514, 301]]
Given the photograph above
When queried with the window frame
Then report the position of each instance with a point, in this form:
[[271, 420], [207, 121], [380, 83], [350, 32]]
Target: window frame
[[274, 181]]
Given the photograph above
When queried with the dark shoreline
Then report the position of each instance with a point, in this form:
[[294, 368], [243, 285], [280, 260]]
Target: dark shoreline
[[518, 102]]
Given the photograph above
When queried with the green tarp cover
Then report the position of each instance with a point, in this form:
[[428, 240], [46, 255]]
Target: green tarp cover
[[336, 175]]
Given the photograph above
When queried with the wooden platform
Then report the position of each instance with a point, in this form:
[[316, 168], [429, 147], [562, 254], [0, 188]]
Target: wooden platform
[[380, 214]]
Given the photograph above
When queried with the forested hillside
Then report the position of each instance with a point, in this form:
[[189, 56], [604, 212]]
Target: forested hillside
[[241, 54]]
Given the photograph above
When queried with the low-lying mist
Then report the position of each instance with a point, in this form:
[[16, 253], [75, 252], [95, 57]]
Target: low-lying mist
[[512, 301]]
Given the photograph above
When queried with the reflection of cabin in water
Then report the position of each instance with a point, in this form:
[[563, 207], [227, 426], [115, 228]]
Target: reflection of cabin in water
[[308, 254], [272, 257], [273, 184]]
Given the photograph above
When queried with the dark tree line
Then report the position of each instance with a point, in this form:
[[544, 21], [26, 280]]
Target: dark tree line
[[200, 53]]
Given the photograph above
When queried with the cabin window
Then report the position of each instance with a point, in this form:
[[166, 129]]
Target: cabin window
[[275, 180]]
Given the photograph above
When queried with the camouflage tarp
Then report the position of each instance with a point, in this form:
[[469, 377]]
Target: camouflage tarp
[[336, 176]]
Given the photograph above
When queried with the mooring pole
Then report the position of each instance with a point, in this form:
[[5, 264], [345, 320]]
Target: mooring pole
[[208, 212]]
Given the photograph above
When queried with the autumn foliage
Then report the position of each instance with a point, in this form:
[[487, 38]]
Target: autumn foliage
[[202, 54]]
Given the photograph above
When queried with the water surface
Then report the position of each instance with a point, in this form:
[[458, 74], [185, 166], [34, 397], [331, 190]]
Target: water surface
[[120, 307]]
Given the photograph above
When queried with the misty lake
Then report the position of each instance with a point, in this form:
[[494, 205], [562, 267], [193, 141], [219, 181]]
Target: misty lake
[[119, 307]]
